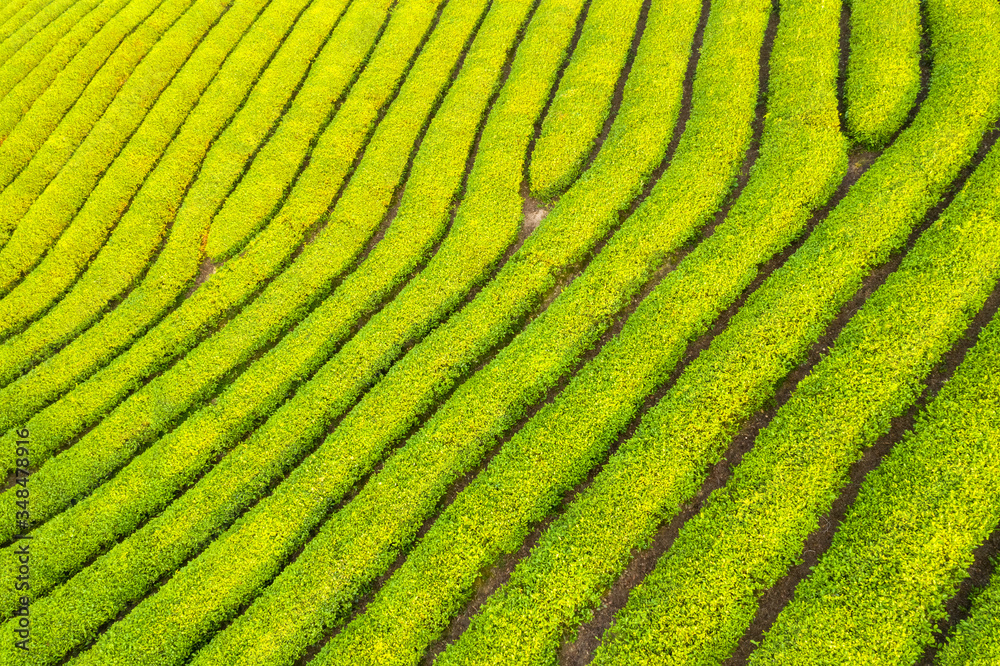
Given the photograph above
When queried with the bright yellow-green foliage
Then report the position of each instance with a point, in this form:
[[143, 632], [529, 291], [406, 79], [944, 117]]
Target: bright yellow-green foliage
[[279, 306], [583, 101], [147, 413], [267, 382], [908, 539], [178, 263], [974, 642], [14, 14], [41, 97], [650, 475], [380, 418], [883, 70], [314, 313], [118, 185], [704, 591], [53, 155], [140, 230], [268, 177], [724, 385], [417, 602], [247, 465], [361, 356], [525, 620], [54, 36]]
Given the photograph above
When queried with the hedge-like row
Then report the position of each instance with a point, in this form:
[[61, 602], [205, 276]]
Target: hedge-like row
[[803, 156], [771, 334], [227, 590], [41, 135], [154, 408], [583, 101], [558, 445], [877, 593], [234, 283], [703, 593], [27, 76], [163, 87], [974, 641], [464, 259], [138, 234], [48, 28], [663, 464], [263, 387], [246, 472], [16, 13], [178, 264], [883, 70], [280, 306], [424, 467], [274, 168]]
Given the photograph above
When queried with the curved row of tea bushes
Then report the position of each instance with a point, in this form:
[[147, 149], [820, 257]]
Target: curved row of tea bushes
[[421, 374], [483, 408], [262, 388], [493, 187], [274, 169], [559, 444], [907, 541], [195, 318], [153, 409], [178, 263], [974, 641], [113, 202], [72, 66], [459, 265], [663, 464], [803, 156], [84, 406], [171, 73], [582, 103], [41, 141], [32, 18], [35, 39], [147, 207], [883, 70], [39, 132], [15, 13], [121, 263], [703, 593]]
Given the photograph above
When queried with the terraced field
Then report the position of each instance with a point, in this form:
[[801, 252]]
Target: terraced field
[[500, 332]]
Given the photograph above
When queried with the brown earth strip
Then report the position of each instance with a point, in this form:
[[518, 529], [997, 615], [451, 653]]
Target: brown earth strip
[[845, 48], [589, 634], [983, 567], [776, 598], [495, 576]]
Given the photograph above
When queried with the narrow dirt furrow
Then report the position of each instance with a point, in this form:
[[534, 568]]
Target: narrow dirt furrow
[[643, 561], [775, 599], [496, 575], [959, 607]]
